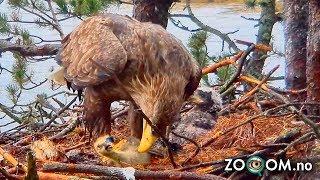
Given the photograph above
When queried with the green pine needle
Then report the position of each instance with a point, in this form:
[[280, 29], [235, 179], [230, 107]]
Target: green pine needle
[[18, 3], [250, 3], [13, 92], [4, 26], [63, 6], [19, 69]]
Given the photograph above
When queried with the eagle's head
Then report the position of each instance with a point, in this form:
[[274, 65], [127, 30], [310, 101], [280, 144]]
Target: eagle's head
[[160, 97]]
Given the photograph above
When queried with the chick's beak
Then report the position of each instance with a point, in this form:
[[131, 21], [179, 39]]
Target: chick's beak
[[196, 99], [148, 139]]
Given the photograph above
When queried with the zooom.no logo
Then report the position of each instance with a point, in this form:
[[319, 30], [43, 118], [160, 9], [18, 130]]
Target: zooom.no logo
[[256, 165]]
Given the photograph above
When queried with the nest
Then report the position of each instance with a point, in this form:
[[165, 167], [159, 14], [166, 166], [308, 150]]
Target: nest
[[247, 139]]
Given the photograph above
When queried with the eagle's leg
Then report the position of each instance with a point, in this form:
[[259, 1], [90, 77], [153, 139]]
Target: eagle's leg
[[97, 115], [135, 120]]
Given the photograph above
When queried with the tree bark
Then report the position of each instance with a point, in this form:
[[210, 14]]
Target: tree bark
[[313, 55], [32, 50], [295, 31], [267, 20], [155, 11]]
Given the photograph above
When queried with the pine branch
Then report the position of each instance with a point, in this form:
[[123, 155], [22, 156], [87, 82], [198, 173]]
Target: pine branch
[[32, 50], [5, 110], [205, 27]]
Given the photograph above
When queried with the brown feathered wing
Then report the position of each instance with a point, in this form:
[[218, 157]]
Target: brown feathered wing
[[92, 40]]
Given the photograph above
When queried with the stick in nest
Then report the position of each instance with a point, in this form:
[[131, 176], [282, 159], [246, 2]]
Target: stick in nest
[[12, 160]]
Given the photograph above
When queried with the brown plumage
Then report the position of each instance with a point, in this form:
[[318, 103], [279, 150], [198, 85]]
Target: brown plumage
[[153, 66]]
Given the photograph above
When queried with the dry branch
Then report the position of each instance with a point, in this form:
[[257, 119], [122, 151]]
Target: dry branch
[[74, 123], [239, 69], [252, 80], [295, 142], [260, 47], [32, 50], [59, 112], [283, 138], [7, 175], [5, 110], [8, 157], [248, 120], [254, 90], [193, 142], [207, 28], [123, 173], [303, 117], [54, 176], [227, 61]]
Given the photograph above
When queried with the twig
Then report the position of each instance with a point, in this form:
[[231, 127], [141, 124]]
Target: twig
[[8, 157], [41, 17], [193, 142], [76, 146], [10, 114], [227, 61], [303, 117], [204, 27], [250, 19], [4, 125], [245, 98], [280, 139], [239, 69], [66, 130], [295, 142], [9, 176], [230, 90], [31, 50], [54, 17], [59, 112], [248, 120], [183, 27]]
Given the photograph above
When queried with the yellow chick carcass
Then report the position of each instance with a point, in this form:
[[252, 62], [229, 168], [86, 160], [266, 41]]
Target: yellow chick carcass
[[125, 151]]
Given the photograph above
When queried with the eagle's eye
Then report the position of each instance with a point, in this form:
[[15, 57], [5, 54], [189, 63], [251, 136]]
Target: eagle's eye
[[110, 139]]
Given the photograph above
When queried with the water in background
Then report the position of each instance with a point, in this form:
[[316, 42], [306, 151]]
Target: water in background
[[222, 17]]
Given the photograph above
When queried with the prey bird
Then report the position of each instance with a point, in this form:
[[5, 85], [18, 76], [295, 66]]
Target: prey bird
[[125, 151], [154, 68]]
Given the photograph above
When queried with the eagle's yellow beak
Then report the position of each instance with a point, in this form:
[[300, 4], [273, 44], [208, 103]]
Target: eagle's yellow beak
[[58, 77], [147, 139]]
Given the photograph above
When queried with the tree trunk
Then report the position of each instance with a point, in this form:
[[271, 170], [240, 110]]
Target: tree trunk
[[313, 55], [155, 11], [267, 20], [296, 31]]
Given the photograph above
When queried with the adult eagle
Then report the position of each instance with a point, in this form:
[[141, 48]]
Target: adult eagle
[[154, 68]]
